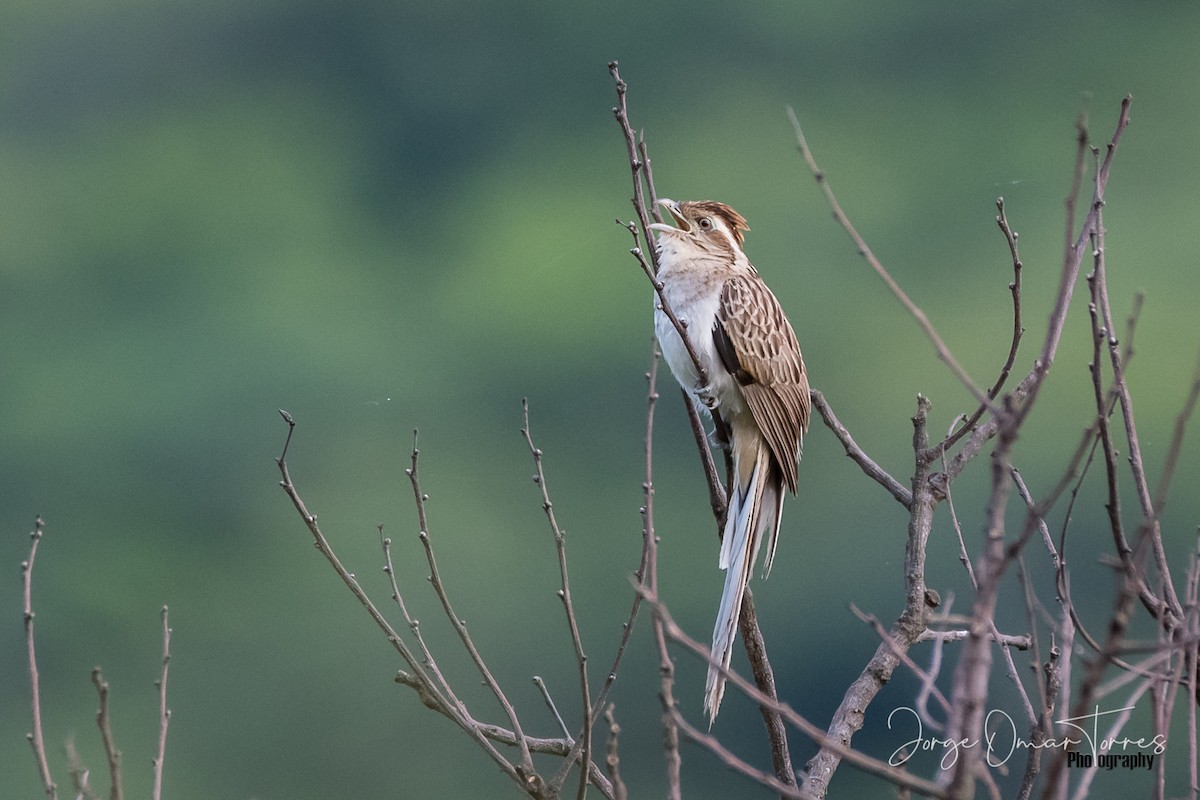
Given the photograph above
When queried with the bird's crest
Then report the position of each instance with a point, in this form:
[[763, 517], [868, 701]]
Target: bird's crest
[[732, 219]]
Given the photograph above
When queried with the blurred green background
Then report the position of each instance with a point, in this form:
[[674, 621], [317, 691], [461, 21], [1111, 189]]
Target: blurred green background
[[387, 216]]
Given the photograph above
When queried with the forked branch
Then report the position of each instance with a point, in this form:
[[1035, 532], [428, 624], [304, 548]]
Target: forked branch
[[424, 676]]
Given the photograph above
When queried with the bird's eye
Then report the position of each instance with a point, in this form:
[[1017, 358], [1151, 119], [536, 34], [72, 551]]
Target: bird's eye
[[705, 224]]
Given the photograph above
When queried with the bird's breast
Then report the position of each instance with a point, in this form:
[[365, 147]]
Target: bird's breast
[[695, 300]]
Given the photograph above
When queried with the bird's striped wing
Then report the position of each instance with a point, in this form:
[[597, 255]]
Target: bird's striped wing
[[758, 347]]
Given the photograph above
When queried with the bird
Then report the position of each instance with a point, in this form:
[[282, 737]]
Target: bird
[[756, 385]]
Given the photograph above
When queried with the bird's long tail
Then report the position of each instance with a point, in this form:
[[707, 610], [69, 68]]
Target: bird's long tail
[[755, 507]]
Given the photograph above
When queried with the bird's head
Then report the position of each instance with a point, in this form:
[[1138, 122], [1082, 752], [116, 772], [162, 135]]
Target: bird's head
[[705, 224]]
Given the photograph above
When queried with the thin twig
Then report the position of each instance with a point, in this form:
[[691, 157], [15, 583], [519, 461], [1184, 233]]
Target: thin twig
[[1021, 642], [431, 686], [1103, 334], [1146, 669], [525, 769], [1193, 671], [927, 677], [164, 713], [963, 556], [727, 757], [1043, 672], [717, 497], [1073, 257], [433, 689], [857, 454], [638, 165], [35, 737], [864, 250], [427, 691], [1150, 506], [649, 583], [913, 620], [564, 594], [540, 683], [613, 760], [824, 739], [642, 575], [1172, 459], [104, 721], [764, 679], [1026, 391], [651, 200], [1014, 288]]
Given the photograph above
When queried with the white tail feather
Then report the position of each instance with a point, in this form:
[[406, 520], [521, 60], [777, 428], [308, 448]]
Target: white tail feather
[[772, 505], [736, 518], [739, 549]]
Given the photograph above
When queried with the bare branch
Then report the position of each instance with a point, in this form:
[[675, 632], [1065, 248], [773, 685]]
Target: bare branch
[[164, 713], [1103, 333], [427, 690], [648, 582], [613, 761], [1010, 236], [717, 498], [913, 620], [641, 575], [639, 167], [943, 351], [435, 691], [670, 711], [564, 594], [928, 678], [103, 720], [1025, 392], [36, 738], [525, 769], [856, 453], [825, 740], [540, 683], [1172, 459], [1073, 258], [727, 757], [963, 556], [1192, 665], [764, 679], [1021, 642], [1082, 789]]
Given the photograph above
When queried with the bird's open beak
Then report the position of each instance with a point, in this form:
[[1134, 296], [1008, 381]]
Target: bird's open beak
[[673, 209]]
